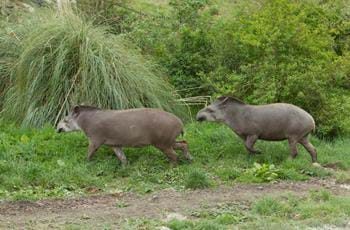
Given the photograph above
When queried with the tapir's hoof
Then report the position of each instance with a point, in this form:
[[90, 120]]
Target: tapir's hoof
[[190, 160], [124, 164], [173, 164], [256, 152]]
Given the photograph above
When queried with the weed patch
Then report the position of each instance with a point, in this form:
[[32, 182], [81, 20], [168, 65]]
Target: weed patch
[[197, 180]]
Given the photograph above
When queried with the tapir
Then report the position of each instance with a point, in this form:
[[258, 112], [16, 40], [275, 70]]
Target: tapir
[[127, 128], [271, 122]]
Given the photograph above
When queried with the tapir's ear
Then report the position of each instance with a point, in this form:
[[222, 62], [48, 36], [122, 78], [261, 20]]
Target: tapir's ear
[[226, 99], [76, 109], [223, 99]]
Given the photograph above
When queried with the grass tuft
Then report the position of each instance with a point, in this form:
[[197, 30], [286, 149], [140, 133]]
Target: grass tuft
[[196, 180], [180, 225], [268, 206], [62, 60]]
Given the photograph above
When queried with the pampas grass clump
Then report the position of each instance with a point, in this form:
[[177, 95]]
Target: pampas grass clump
[[64, 60]]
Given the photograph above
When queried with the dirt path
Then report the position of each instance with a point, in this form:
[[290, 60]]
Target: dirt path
[[102, 210]]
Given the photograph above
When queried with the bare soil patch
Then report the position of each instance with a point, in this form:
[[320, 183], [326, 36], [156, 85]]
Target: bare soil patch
[[101, 210]]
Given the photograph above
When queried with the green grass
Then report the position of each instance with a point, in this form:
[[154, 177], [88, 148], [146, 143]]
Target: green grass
[[196, 180], [36, 163]]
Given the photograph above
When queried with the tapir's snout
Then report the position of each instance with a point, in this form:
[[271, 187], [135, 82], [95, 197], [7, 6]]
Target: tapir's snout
[[200, 117]]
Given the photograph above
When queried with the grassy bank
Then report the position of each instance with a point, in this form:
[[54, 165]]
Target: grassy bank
[[316, 210], [37, 163]]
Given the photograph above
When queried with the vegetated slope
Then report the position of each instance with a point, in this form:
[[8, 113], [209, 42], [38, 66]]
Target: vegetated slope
[[41, 163]]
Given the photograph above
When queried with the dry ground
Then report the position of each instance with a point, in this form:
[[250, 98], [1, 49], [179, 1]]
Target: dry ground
[[112, 209]]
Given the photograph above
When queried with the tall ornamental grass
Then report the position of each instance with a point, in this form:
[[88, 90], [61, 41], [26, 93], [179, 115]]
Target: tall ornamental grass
[[64, 60]]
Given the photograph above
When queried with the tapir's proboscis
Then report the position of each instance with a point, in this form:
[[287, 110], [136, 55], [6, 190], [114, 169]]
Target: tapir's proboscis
[[127, 128], [272, 122]]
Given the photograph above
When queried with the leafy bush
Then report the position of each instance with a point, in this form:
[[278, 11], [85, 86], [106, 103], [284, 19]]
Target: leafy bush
[[64, 60], [283, 51], [179, 41], [265, 172], [275, 51]]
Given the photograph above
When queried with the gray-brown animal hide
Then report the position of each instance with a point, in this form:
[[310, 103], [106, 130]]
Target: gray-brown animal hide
[[272, 122], [126, 128]]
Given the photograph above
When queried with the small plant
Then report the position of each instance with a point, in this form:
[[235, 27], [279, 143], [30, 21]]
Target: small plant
[[208, 225], [121, 204], [197, 179], [265, 172], [322, 195], [268, 206], [343, 178], [180, 224]]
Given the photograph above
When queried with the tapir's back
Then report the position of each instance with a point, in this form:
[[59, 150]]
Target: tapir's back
[[280, 120], [132, 127]]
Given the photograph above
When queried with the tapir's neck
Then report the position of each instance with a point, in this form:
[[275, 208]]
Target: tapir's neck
[[236, 116], [83, 120]]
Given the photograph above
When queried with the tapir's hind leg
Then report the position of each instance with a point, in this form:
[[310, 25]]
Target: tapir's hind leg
[[293, 147], [309, 147], [169, 152], [183, 146], [120, 154]]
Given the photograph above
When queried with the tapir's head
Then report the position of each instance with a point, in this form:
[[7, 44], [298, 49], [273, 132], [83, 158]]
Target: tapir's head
[[69, 123], [217, 110]]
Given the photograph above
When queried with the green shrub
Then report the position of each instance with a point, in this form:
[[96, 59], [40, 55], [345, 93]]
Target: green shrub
[[275, 51], [64, 60], [265, 172], [197, 180], [179, 41], [283, 51]]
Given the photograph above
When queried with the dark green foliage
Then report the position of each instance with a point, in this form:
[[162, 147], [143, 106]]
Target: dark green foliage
[[179, 41], [274, 51], [284, 52]]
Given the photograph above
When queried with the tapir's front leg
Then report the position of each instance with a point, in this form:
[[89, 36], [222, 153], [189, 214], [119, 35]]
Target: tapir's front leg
[[249, 144], [92, 149], [120, 154]]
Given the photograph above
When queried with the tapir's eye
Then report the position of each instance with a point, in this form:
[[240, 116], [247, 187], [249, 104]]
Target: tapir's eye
[[210, 110]]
